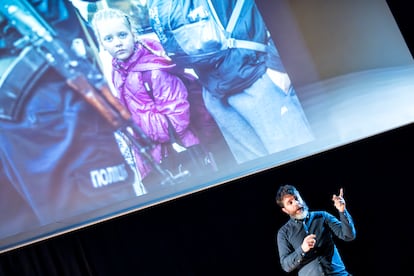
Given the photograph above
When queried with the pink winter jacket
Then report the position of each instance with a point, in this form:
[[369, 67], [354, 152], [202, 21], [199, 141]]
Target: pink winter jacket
[[170, 99]]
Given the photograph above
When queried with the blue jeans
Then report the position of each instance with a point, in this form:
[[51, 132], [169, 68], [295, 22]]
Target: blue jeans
[[259, 120]]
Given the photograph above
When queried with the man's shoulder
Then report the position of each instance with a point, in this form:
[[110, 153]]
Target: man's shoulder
[[286, 226], [319, 214]]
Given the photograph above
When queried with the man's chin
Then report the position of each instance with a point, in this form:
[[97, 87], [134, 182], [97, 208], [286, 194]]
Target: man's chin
[[301, 215]]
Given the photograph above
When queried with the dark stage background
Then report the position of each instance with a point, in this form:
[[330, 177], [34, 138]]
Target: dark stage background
[[230, 229]]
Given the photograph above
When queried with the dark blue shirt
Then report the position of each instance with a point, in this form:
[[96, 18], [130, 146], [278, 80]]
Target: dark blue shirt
[[324, 258]]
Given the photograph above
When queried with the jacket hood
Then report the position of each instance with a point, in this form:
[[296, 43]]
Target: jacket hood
[[143, 59]]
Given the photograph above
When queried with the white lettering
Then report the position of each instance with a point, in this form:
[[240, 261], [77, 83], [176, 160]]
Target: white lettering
[[107, 176]]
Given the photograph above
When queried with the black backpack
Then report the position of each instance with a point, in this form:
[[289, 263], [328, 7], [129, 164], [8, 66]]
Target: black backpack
[[191, 31]]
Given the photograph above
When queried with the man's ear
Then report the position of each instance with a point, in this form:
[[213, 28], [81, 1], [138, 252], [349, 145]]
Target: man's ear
[[284, 210]]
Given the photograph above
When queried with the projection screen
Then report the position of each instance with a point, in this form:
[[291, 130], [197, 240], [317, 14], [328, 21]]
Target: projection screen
[[69, 155]]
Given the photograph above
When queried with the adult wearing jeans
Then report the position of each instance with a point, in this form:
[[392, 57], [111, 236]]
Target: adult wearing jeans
[[246, 91]]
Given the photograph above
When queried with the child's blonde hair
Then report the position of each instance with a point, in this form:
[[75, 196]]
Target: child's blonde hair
[[111, 13], [105, 14]]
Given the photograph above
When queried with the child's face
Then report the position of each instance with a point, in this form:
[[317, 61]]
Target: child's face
[[117, 38]]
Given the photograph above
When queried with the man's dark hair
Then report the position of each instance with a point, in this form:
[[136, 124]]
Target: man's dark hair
[[285, 190]]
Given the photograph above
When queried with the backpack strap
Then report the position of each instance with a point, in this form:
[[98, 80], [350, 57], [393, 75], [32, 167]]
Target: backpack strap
[[146, 78], [234, 15], [232, 42]]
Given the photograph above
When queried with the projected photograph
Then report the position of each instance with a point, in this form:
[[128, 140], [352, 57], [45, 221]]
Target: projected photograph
[[109, 107]]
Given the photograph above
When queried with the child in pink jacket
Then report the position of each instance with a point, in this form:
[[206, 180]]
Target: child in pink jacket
[[131, 57]]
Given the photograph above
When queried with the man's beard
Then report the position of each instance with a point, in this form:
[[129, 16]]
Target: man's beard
[[302, 215]]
